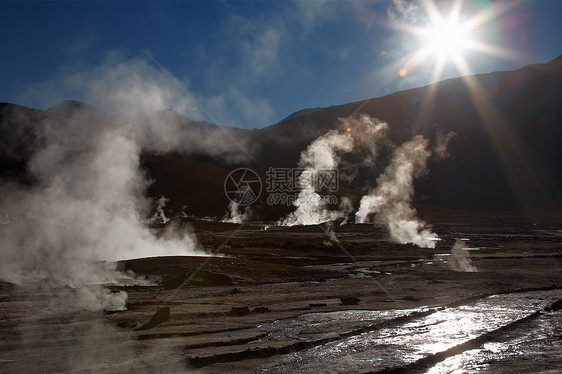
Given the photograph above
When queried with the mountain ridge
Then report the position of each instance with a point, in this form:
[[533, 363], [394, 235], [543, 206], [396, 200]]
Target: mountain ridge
[[504, 158], [554, 65]]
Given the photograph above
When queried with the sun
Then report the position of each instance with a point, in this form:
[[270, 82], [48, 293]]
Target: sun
[[446, 38]]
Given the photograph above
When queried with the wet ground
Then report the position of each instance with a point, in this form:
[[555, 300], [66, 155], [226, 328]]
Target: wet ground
[[299, 300]]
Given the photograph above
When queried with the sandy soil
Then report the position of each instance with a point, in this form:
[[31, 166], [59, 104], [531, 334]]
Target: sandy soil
[[239, 311]]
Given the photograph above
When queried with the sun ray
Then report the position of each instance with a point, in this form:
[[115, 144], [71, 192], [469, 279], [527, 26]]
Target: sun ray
[[449, 37], [427, 104], [494, 50], [514, 157], [488, 14], [452, 35]]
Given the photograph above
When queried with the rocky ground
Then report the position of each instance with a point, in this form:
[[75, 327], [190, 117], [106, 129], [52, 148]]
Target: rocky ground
[[303, 300]]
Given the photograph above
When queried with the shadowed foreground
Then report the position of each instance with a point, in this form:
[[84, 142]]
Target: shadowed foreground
[[291, 300]]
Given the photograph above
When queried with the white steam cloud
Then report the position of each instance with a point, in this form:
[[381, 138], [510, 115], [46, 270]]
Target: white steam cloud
[[460, 258], [321, 154], [324, 154], [391, 200], [346, 207], [235, 214], [159, 216], [442, 140], [139, 96], [87, 202]]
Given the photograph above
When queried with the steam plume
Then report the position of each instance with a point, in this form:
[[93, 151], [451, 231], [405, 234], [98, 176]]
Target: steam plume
[[87, 203], [440, 149], [159, 216], [346, 207], [234, 215], [323, 154], [391, 200], [460, 258]]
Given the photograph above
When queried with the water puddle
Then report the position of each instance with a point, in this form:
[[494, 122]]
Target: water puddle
[[535, 346], [309, 327], [403, 344]]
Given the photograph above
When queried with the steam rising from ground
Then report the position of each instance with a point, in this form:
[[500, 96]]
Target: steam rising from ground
[[235, 214], [391, 200], [87, 202], [88, 206], [323, 154], [159, 216], [460, 258], [440, 149]]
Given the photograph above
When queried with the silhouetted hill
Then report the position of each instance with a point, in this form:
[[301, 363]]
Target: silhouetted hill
[[19, 128], [504, 158]]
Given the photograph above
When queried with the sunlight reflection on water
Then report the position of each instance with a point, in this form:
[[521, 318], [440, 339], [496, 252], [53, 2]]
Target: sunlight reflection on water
[[402, 345]]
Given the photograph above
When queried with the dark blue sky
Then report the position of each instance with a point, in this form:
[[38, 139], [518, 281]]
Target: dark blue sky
[[249, 63]]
